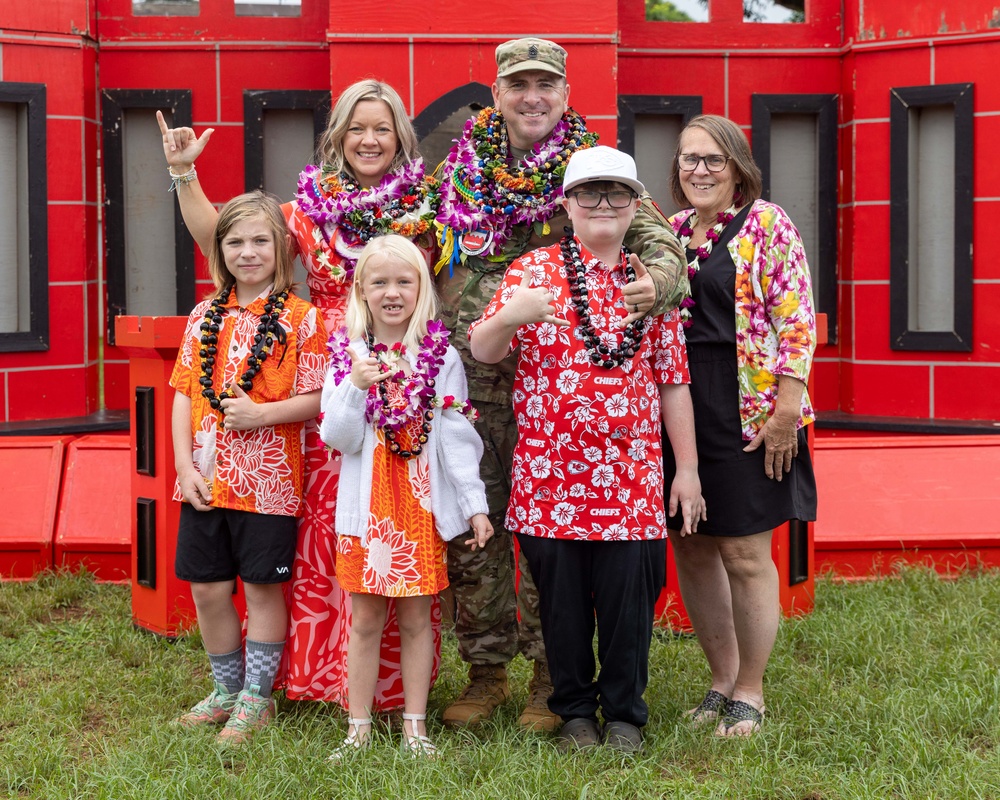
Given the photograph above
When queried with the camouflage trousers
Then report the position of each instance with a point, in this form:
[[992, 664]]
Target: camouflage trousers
[[483, 582]]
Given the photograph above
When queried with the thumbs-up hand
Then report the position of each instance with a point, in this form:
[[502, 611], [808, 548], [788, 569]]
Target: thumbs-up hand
[[528, 305], [242, 413], [365, 372], [640, 294]]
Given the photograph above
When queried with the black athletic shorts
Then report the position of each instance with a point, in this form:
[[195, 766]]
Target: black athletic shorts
[[219, 544]]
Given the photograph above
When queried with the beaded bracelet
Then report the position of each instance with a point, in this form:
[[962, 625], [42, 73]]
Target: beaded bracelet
[[176, 180]]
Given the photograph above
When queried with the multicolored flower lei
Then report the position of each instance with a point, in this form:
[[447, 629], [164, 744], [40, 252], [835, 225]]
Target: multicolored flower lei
[[418, 387], [702, 253], [347, 215], [481, 190]]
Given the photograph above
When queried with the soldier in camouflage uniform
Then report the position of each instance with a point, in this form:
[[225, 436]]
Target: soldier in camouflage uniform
[[500, 184]]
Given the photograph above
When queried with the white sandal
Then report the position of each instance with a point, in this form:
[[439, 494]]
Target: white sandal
[[417, 744], [354, 741]]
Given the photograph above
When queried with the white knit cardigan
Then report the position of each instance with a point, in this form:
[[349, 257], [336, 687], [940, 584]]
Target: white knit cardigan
[[453, 451]]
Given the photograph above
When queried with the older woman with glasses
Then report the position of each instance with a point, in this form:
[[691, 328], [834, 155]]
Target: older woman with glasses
[[750, 332]]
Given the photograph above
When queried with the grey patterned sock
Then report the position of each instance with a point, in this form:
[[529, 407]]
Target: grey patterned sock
[[263, 659], [227, 669]]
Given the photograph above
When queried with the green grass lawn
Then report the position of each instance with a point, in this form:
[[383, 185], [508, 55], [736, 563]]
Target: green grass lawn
[[889, 690]]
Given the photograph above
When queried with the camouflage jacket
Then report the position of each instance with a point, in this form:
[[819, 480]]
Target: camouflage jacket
[[466, 291]]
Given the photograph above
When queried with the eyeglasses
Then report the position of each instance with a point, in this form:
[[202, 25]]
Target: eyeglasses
[[617, 198], [713, 163]]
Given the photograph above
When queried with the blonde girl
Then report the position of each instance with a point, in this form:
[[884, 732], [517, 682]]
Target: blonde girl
[[395, 405]]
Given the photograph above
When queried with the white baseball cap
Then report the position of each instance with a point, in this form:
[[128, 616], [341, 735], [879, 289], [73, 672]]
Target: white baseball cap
[[601, 163]]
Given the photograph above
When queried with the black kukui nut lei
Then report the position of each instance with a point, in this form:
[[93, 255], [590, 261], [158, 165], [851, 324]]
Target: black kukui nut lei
[[268, 330], [600, 354]]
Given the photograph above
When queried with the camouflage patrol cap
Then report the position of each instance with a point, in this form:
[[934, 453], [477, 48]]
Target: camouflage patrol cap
[[519, 55]]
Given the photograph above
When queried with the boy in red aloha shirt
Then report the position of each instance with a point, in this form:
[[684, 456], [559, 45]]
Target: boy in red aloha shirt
[[586, 497]]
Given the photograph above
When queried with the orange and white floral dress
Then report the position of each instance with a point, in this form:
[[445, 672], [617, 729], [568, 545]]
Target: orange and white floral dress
[[314, 664], [400, 553]]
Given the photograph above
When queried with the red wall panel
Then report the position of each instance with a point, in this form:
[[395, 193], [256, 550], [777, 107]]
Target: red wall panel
[[60, 392], [674, 74], [65, 156], [870, 228], [667, 74], [68, 313], [71, 17], [906, 20], [293, 68], [966, 392], [871, 160], [389, 61], [68, 246], [216, 19], [845, 323], [986, 180], [134, 67], [986, 330], [116, 385], [93, 234], [67, 324], [443, 17], [91, 149], [62, 67], [785, 74], [871, 322], [846, 247], [726, 28], [878, 70], [93, 292], [439, 68], [954, 63], [826, 385], [985, 213], [890, 390]]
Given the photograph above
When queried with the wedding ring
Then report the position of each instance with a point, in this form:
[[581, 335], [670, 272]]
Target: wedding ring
[[635, 308]]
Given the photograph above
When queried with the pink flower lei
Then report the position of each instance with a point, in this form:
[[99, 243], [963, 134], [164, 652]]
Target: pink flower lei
[[481, 191], [702, 253], [346, 216], [419, 394]]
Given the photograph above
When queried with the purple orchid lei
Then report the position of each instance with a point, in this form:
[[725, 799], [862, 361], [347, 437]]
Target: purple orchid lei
[[481, 191], [702, 253], [347, 216], [419, 395]]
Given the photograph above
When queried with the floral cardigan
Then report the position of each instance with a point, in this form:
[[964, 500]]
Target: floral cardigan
[[775, 322]]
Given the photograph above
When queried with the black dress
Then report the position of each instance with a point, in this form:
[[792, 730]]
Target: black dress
[[740, 498]]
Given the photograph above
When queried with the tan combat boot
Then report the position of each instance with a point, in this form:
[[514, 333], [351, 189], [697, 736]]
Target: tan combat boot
[[487, 689], [536, 715]]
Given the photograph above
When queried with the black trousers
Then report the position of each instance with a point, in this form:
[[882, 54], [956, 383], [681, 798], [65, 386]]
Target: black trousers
[[616, 585]]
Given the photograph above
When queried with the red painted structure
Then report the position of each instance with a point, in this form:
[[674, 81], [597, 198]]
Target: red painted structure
[[160, 602], [81, 48], [83, 51]]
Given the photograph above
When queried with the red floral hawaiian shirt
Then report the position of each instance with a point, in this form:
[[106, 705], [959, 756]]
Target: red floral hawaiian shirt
[[588, 462]]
